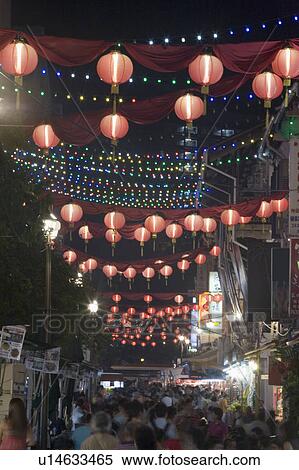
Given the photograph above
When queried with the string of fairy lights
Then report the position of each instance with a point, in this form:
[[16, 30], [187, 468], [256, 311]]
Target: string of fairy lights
[[132, 180]]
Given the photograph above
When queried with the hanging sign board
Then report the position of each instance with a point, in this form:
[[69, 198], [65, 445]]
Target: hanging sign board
[[11, 342]]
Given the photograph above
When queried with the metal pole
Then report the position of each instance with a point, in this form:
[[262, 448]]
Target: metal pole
[[45, 377]]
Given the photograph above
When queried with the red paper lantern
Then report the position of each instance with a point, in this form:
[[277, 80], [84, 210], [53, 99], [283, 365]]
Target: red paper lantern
[[91, 264], [185, 309], [154, 224], [114, 220], [123, 341], [177, 311], [245, 220], [166, 271], [215, 251], [209, 225], [133, 343], [114, 126], [189, 107], [116, 297], [193, 223], [142, 235], [129, 274], [280, 205], [44, 136], [143, 344], [84, 233], [110, 271], [179, 299], [267, 86], [113, 237], [183, 265], [174, 231], [200, 259], [230, 217], [83, 268], [286, 64], [131, 311], [148, 273], [153, 344], [18, 59], [151, 310], [71, 213], [169, 310], [114, 309], [114, 68], [265, 210], [206, 70], [69, 256], [147, 299]]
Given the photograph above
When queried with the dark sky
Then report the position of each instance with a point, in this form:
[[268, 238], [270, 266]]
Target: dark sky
[[141, 20]]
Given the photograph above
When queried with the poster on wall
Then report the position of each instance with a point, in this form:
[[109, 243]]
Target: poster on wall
[[294, 278], [11, 342], [43, 361], [294, 188]]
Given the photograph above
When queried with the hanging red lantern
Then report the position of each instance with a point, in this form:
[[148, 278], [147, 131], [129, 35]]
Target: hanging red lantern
[[142, 235], [209, 225], [123, 341], [130, 274], [143, 344], [179, 299], [245, 220], [174, 231], [83, 268], [114, 220], [286, 65], [215, 251], [267, 86], [200, 259], [110, 271], [148, 273], [188, 108], [133, 343], [155, 224], [151, 310], [85, 234], [113, 237], [230, 217], [265, 210], [71, 213], [114, 126], [280, 205], [193, 223], [131, 311], [69, 256], [114, 68], [183, 265], [177, 311], [206, 70], [114, 309], [166, 271], [116, 298], [185, 309], [18, 59], [91, 264], [44, 137], [169, 310], [153, 344], [147, 298]]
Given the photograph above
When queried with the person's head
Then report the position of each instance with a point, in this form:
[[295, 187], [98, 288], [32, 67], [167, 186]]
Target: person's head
[[101, 422], [134, 410], [218, 413], [160, 410], [17, 419], [145, 438], [84, 420], [248, 411], [127, 433], [80, 402]]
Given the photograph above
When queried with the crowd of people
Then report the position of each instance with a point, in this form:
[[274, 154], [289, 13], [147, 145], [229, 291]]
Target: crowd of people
[[176, 418]]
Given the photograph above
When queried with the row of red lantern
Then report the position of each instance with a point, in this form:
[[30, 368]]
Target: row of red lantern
[[148, 298]]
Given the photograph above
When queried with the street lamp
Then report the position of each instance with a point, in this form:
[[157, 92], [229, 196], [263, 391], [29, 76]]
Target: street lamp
[[183, 341], [93, 307], [51, 227]]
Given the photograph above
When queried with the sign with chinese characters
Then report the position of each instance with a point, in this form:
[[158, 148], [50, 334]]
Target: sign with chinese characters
[[294, 188], [214, 282], [294, 278], [11, 342]]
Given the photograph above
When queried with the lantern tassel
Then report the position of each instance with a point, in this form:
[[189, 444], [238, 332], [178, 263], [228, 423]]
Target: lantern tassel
[[267, 118], [112, 249], [130, 284], [86, 242], [141, 250], [286, 98], [193, 243], [19, 84], [148, 284], [183, 275]]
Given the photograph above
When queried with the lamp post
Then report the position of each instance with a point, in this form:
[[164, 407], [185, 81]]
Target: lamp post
[[183, 341], [51, 227]]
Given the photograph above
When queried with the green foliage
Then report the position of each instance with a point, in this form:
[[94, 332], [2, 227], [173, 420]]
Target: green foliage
[[289, 358]]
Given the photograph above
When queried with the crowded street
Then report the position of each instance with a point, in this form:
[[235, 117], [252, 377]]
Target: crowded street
[[149, 234]]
